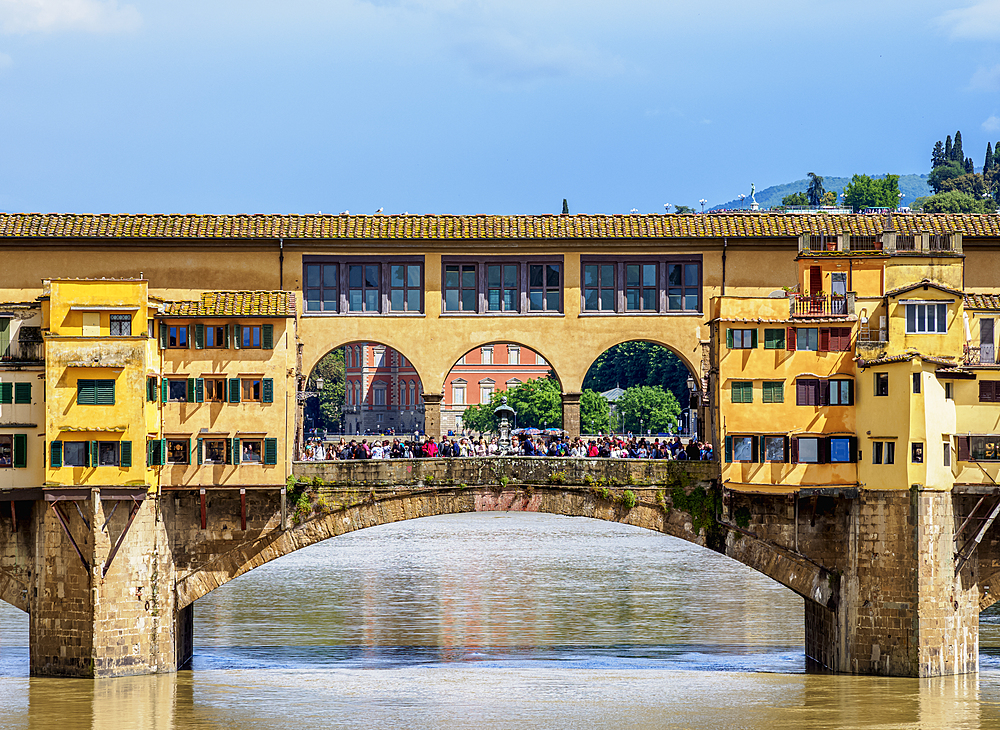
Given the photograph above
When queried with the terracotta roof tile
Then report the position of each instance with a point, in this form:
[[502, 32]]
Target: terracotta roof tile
[[236, 304], [903, 357], [982, 301], [922, 283], [479, 227]]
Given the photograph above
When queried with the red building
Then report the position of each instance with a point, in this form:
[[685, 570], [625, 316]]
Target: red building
[[382, 390]]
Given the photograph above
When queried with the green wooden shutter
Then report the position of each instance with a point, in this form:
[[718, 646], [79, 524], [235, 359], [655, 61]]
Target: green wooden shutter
[[190, 390], [163, 452], [267, 336], [199, 336], [227, 340], [236, 451], [729, 449], [20, 450], [154, 452], [753, 338], [271, 451], [229, 451], [200, 458], [105, 394], [92, 454], [125, 458], [150, 389], [237, 336], [164, 390], [22, 393], [729, 338], [755, 449], [199, 390], [267, 393], [55, 454], [4, 337], [164, 335], [6, 392], [766, 395], [234, 390]]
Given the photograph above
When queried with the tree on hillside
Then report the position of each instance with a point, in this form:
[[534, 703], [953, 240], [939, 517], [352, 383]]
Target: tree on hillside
[[643, 408], [948, 157], [944, 172], [795, 199], [638, 363], [829, 198], [957, 155], [815, 190], [972, 184], [937, 155], [954, 201], [988, 160], [868, 192]]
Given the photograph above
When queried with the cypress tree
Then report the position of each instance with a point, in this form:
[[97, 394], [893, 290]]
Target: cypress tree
[[947, 149], [956, 152], [970, 166], [988, 162], [937, 155]]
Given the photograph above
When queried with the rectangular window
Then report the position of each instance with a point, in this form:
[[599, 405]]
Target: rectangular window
[[743, 392], [486, 354], [75, 453], [379, 396], [545, 287], [949, 392], [177, 336], [177, 390], [774, 448], [684, 287], [250, 451], [460, 288], [807, 339], [215, 390], [178, 451], [513, 355], [989, 391], [214, 451], [841, 392], [95, 392], [405, 288], [946, 452], [742, 339], [917, 452], [641, 288], [881, 384], [322, 287], [458, 395], [984, 448], [926, 318], [883, 452], [107, 453], [807, 392], [916, 382], [121, 325], [502, 288], [840, 450], [485, 393], [22, 393], [743, 448], [773, 392], [216, 336], [599, 288], [808, 450], [251, 389], [91, 324], [249, 336], [363, 287], [6, 451], [774, 339]]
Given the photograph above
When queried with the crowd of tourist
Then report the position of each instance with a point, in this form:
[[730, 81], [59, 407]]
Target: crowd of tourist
[[606, 447]]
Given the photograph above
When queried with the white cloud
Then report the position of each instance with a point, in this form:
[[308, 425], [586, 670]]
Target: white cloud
[[90, 16], [509, 57], [979, 22], [992, 124]]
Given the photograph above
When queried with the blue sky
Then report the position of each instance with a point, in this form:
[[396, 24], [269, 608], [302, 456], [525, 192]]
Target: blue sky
[[469, 106]]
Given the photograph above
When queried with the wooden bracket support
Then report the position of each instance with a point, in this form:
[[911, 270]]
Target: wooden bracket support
[[133, 511], [243, 509], [65, 526], [204, 509]]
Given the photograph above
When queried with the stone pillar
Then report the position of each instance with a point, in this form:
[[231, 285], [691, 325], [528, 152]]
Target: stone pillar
[[571, 414], [902, 610], [94, 615], [432, 414]]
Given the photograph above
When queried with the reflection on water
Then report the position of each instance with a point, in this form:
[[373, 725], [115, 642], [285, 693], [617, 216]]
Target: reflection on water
[[498, 621]]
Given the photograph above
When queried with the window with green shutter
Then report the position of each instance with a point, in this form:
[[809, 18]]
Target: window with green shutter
[[236, 451], [199, 336], [164, 335], [267, 336], [773, 392], [22, 393], [190, 390], [741, 339], [270, 451], [199, 390], [151, 388], [268, 395], [126, 454], [742, 392], [155, 449], [774, 339], [95, 392], [20, 450], [234, 390], [55, 454], [6, 393]]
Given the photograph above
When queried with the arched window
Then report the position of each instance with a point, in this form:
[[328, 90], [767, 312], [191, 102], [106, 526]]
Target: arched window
[[413, 399], [349, 358]]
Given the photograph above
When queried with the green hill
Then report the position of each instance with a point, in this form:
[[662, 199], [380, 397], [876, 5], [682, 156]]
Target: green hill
[[912, 186]]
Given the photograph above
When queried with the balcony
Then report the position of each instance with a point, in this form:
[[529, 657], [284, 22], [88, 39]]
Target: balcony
[[820, 305], [981, 355], [27, 348]]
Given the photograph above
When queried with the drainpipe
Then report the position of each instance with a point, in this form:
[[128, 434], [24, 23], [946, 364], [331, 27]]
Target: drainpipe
[[725, 243], [281, 263]]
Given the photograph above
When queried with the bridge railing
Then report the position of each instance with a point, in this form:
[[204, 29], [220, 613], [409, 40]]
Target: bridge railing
[[502, 470]]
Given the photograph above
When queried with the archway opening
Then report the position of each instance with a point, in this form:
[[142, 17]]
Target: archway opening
[[483, 376], [643, 388], [363, 388]]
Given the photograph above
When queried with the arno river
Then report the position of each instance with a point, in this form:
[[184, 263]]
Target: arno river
[[498, 621]]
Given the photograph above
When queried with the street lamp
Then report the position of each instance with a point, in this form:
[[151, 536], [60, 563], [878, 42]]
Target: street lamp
[[666, 208], [742, 197], [702, 201]]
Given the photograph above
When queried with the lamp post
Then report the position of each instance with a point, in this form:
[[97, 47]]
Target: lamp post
[[703, 201], [742, 197], [666, 208]]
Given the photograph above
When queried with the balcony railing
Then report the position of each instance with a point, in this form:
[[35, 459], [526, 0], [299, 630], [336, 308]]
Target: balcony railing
[[939, 243], [23, 352], [865, 243], [981, 355], [822, 305]]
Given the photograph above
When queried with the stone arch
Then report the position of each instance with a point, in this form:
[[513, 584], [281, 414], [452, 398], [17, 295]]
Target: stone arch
[[803, 577], [13, 591], [692, 361]]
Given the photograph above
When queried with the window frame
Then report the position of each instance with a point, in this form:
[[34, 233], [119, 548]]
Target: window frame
[[171, 383], [218, 388], [82, 446], [321, 288], [881, 383], [247, 385], [941, 323], [343, 288], [483, 288], [174, 336], [168, 459], [462, 288], [747, 337], [224, 450], [244, 443], [120, 319], [743, 387], [84, 383], [772, 391], [883, 452], [6, 451], [663, 288]]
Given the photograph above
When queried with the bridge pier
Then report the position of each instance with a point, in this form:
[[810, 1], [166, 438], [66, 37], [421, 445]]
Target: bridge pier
[[101, 597], [432, 414], [571, 414], [902, 611]]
